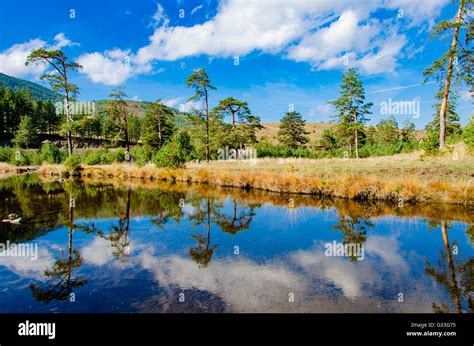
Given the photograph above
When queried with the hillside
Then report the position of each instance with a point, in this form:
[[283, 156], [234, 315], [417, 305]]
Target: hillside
[[37, 91], [315, 130], [270, 131]]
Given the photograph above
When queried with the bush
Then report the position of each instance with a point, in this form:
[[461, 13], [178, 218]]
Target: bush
[[50, 153], [139, 155], [97, 157], [73, 164], [430, 142], [119, 155], [468, 134], [175, 153], [6, 154], [19, 157]]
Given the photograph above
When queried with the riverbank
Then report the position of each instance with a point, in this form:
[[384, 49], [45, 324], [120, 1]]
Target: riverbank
[[405, 178]]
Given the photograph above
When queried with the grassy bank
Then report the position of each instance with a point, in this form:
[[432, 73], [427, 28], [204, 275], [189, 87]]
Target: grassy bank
[[405, 178]]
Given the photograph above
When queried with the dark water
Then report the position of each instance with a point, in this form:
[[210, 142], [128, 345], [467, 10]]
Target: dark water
[[103, 247]]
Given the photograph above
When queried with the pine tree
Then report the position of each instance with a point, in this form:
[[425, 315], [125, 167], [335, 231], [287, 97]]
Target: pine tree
[[26, 133], [292, 131], [200, 82], [157, 126], [352, 108], [456, 62], [58, 78]]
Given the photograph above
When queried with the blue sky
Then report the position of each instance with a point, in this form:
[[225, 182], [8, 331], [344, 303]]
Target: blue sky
[[289, 52]]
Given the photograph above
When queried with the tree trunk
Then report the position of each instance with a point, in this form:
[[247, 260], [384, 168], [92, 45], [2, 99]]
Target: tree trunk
[[207, 128], [452, 273], [356, 137], [447, 84], [68, 119], [160, 140]]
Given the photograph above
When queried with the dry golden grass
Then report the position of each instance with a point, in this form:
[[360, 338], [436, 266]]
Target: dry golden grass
[[405, 177]]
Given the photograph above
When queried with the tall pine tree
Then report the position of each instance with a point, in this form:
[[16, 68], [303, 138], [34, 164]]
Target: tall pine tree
[[292, 132], [352, 108]]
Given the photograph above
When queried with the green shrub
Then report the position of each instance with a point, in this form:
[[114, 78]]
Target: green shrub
[[19, 157], [50, 153], [73, 164], [119, 155], [175, 153], [6, 154], [139, 155], [430, 142], [468, 134], [97, 157]]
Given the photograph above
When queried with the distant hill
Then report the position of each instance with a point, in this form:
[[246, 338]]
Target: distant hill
[[270, 131], [37, 91], [315, 130]]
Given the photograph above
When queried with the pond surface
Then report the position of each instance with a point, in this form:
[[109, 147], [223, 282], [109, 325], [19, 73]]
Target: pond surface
[[108, 247]]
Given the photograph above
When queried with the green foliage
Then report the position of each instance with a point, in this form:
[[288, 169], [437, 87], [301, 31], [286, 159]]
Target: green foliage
[[175, 153], [97, 157], [6, 154], [140, 155], [430, 143], [73, 164], [26, 133], [20, 157], [119, 155], [36, 91], [157, 126], [119, 115], [292, 131], [352, 110], [50, 153], [468, 134]]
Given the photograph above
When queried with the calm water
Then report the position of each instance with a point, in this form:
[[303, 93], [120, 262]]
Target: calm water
[[111, 248]]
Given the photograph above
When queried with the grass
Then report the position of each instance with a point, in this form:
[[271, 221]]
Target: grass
[[403, 178]]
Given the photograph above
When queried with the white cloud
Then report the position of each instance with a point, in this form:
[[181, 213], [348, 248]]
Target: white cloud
[[190, 106], [12, 60], [324, 109], [172, 102], [385, 59], [345, 34], [418, 12], [111, 68], [63, 41], [159, 18]]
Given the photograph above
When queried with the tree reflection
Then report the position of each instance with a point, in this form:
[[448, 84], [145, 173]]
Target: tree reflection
[[62, 269], [453, 274], [169, 207], [354, 230], [119, 234], [203, 252], [239, 221]]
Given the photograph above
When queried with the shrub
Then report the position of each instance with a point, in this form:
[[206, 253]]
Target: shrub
[[97, 157], [119, 155], [19, 157], [50, 153], [175, 153], [468, 134], [6, 154], [73, 164], [139, 155], [430, 142]]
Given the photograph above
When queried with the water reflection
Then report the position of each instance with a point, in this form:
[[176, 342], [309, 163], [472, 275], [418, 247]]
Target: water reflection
[[137, 248]]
